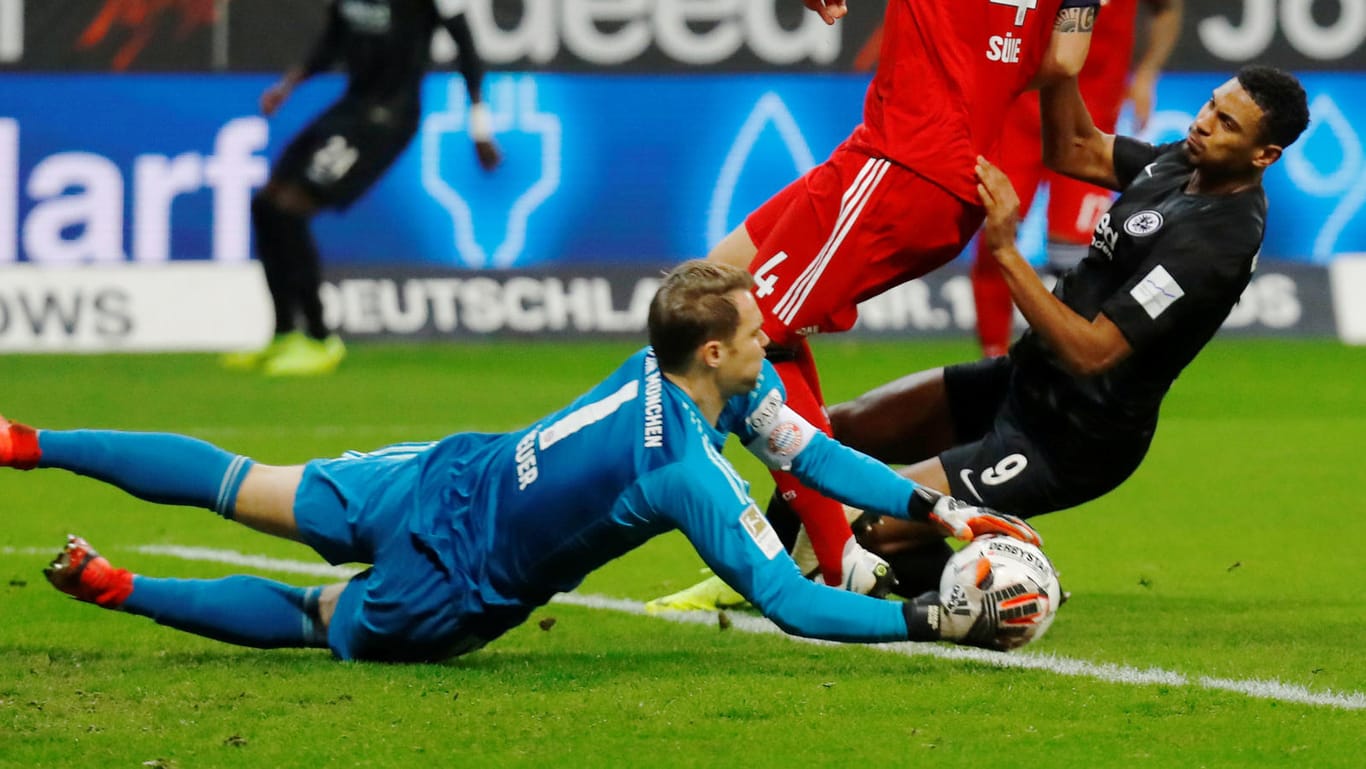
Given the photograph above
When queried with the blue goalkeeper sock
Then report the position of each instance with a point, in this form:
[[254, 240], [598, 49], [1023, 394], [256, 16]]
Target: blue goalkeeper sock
[[242, 610], [158, 467]]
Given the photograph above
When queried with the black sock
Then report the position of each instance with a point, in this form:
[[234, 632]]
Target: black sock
[[271, 225], [293, 267], [783, 520], [308, 279]]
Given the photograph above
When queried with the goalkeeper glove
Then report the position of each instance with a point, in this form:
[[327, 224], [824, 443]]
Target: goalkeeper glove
[[969, 616], [967, 522]]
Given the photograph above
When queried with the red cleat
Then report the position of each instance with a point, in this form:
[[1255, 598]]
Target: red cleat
[[84, 574], [18, 445]]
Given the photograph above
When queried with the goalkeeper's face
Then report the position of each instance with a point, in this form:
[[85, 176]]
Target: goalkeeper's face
[[744, 358]]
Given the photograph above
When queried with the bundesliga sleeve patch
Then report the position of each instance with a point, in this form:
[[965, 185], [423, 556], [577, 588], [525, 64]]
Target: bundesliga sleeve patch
[[761, 532], [1156, 292]]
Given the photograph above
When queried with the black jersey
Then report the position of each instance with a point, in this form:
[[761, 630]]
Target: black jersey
[[1166, 266], [385, 46]]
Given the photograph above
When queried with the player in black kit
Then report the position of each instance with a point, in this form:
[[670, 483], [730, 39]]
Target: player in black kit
[[384, 46], [1070, 412]]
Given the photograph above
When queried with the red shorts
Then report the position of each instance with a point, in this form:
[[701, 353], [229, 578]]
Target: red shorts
[[849, 229]]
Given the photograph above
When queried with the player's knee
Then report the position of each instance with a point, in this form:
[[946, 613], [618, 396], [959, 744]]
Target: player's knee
[[736, 249], [327, 605], [276, 226], [261, 207], [282, 199], [266, 215], [842, 418], [856, 424]]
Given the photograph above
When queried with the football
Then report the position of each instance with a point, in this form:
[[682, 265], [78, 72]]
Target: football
[[1020, 587]]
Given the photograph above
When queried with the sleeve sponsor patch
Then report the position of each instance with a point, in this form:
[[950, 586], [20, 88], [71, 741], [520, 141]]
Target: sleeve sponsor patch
[[761, 532], [765, 411], [1156, 292]]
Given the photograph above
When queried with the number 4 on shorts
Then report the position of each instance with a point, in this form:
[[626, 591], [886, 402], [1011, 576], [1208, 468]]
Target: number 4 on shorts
[[763, 281]]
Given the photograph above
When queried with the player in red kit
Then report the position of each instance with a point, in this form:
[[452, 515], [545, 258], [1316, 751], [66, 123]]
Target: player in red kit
[[896, 200], [1074, 207]]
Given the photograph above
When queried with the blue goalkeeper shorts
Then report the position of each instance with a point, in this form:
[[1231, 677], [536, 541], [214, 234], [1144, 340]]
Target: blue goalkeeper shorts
[[417, 602]]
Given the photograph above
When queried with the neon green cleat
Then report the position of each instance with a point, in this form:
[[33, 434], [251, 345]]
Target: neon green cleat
[[711, 594], [253, 360], [305, 356]]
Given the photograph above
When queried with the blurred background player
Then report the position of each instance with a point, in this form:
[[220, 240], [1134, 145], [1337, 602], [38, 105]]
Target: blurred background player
[[385, 47], [469, 534], [1070, 413], [1074, 207], [897, 199]]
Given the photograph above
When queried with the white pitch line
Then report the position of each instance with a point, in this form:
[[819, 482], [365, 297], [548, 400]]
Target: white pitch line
[[1102, 671], [263, 562], [322, 431]]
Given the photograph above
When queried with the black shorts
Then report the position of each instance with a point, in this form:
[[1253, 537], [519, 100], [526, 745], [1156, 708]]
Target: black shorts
[[345, 150], [1023, 457]]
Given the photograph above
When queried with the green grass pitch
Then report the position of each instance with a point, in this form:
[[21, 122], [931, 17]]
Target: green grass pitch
[[1217, 611]]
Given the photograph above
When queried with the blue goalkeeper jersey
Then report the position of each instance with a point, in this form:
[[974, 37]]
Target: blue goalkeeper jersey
[[538, 509]]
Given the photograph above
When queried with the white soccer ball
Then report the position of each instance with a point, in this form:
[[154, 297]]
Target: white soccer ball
[[1020, 587]]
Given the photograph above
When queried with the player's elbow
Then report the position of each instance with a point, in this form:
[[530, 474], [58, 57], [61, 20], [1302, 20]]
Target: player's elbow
[[790, 616], [1082, 158], [787, 625], [1053, 71], [1067, 64], [1062, 62], [797, 626], [1082, 367], [1095, 349], [1055, 156], [1066, 155], [1084, 361]]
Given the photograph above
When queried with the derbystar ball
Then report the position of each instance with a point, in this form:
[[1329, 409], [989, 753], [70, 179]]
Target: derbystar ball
[[1019, 580]]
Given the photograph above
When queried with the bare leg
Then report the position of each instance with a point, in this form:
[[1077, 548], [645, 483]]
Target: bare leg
[[889, 536], [902, 422], [266, 504], [291, 198], [266, 500], [736, 249], [327, 603]]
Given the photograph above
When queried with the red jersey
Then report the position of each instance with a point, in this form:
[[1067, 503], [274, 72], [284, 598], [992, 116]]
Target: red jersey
[[947, 72]]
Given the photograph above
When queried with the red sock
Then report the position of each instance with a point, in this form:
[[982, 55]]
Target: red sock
[[18, 446], [823, 517], [995, 310], [825, 524], [108, 586]]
